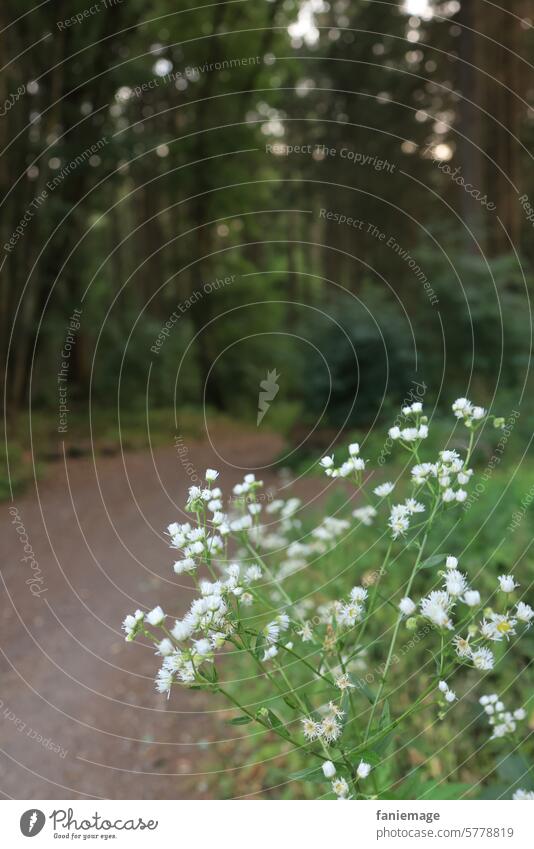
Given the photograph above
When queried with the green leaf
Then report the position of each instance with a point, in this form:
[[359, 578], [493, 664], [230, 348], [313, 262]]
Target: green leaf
[[240, 720], [315, 774], [435, 560]]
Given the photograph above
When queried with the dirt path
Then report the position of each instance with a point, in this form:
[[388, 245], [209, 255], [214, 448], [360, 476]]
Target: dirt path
[[79, 716]]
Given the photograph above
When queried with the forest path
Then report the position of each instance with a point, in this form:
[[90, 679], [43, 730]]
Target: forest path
[[79, 716]]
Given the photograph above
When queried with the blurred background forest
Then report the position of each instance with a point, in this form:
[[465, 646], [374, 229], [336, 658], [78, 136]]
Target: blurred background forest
[[139, 164]]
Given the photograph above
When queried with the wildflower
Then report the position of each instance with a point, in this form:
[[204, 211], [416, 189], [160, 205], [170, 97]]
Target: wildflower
[[330, 728], [482, 659], [448, 495], [164, 681], [507, 583], [449, 695], [354, 449], [461, 644], [155, 616], [460, 495], [498, 626], [202, 647], [455, 583], [363, 769], [407, 606], [185, 565], [329, 769], [358, 594], [269, 653], [436, 607], [327, 463], [340, 788], [132, 624], [165, 647], [394, 432], [398, 521], [272, 632], [365, 515], [183, 629], [471, 598], [413, 506], [451, 562], [524, 612], [384, 489], [523, 795], [311, 729], [211, 475], [306, 633], [344, 683], [336, 710]]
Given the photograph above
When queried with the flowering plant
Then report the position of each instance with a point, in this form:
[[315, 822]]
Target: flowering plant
[[310, 648]]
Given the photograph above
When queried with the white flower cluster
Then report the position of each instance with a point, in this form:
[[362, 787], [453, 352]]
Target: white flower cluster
[[468, 412], [328, 729], [352, 465], [502, 721], [226, 551], [413, 432], [523, 795], [339, 785], [448, 694]]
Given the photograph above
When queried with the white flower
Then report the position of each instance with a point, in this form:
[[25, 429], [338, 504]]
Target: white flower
[[482, 659], [471, 598], [478, 412], [354, 449], [183, 629], [443, 686], [410, 434], [365, 515], [449, 495], [463, 649], [523, 795], [417, 407], [155, 616], [185, 565], [250, 478], [344, 683], [340, 787], [407, 606], [164, 681], [451, 562], [394, 432], [498, 626], [358, 594], [329, 769], [384, 489], [330, 729], [507, 583], [524, 612], [327, 462], [363, 769], [413, 506], [423, 431], [461, 495], [450, 696], [455, 582], [520, 713], [203, 647], [165, 647], [435, 607], [269, 653], [311, 729], [211, 475]]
